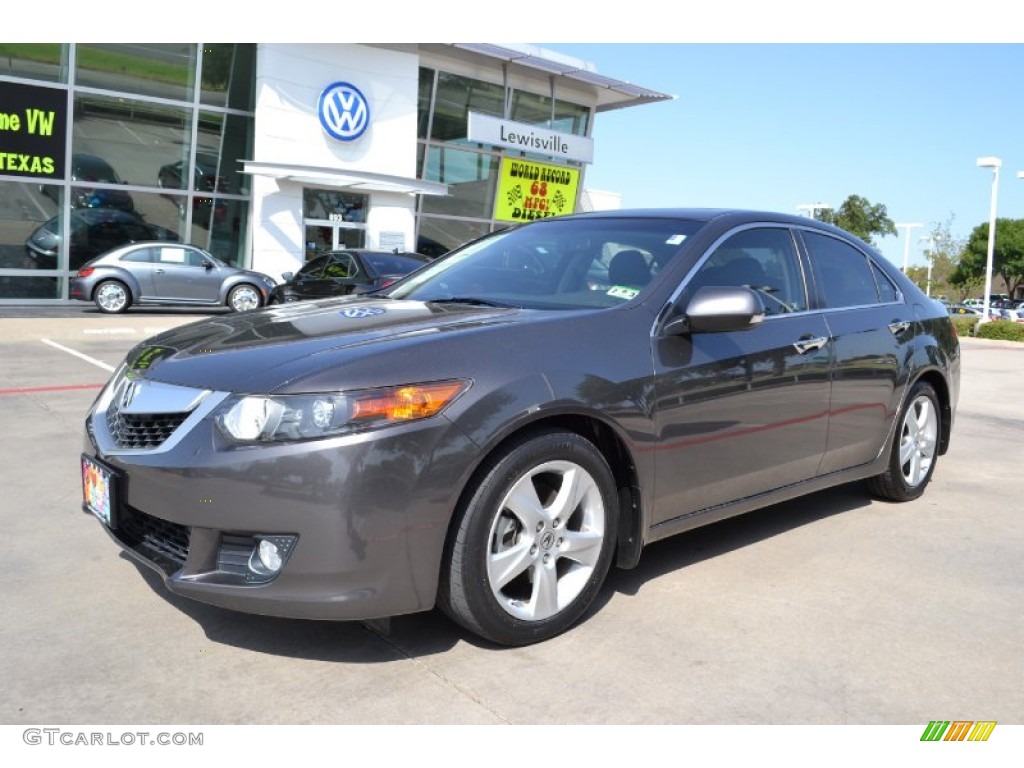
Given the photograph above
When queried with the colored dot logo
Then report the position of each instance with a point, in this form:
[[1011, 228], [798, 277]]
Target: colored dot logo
[[344, 111]]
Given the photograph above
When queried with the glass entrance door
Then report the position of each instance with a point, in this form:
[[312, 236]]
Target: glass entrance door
[[334, 220], [324, 236]]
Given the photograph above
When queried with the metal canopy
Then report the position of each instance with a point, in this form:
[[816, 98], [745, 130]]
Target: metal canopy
[[344, 178], [612, 93]]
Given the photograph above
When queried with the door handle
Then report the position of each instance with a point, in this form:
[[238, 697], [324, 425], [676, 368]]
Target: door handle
[[159, 271], [899, 327], [806, 345]]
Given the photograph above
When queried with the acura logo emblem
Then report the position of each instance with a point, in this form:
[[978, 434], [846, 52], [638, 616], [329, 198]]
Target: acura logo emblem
[[344, 111], [131, 389]]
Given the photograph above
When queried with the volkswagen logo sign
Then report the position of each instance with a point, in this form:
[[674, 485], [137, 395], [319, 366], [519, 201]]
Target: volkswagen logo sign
[[357, 312], [344, 111]]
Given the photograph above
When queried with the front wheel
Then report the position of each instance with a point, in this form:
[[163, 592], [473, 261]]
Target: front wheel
[[914, 449], [533, 542], [243, 298]]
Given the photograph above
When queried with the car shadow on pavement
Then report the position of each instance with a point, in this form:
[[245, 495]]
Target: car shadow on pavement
[[678, 552], [353, 642], [429, 633]]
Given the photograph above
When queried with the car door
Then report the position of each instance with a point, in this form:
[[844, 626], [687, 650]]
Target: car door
[[342, 274], [140, 263], [185, 275], [870, 327], [739, 413]]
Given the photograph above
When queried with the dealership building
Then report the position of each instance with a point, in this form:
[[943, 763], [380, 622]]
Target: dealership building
[[265, 154]]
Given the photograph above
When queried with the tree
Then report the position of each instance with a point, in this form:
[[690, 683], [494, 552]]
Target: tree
[[859, 217], [1007, 255], [944, 252]]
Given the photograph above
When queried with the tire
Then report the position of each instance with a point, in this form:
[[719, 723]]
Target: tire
[[914, 449], [112, 297], [533, 541], [243, 298]]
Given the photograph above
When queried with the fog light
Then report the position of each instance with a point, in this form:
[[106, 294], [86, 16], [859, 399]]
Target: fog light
[[270, 556]]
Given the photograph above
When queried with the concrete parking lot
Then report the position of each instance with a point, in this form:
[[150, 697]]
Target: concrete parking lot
[[833, 609]]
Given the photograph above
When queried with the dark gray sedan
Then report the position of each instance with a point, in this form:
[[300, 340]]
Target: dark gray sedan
[[498, 429], [169, 274]]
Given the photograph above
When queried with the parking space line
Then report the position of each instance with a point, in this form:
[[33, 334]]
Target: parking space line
[[31, 390], [79, 355]]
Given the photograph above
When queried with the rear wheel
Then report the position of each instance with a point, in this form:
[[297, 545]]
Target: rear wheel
[[915, 448], [112, 297], [242, 298], [533, 542]]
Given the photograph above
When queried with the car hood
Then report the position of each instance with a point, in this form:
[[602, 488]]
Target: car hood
[[283, 348]]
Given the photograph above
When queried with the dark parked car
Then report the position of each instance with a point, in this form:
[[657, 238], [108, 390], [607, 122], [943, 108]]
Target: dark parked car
[[94, 231], [491, 438], [90, 168], [340, 273], [165, 274], [205, 179]]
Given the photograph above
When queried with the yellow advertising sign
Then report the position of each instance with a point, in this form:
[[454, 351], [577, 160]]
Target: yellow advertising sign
[[528, 191]]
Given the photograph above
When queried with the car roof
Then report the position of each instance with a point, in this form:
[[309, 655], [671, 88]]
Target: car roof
[[373, 252]]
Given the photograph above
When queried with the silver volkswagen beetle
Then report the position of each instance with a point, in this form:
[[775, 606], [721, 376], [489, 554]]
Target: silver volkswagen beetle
[[161, 273], [496, 430]]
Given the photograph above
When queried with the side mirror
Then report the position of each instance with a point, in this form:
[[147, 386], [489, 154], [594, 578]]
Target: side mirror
[[208, 265], [714, 309], [287, 276]]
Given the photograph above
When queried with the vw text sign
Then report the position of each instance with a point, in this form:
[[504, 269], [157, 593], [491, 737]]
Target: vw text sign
[[344, 111]]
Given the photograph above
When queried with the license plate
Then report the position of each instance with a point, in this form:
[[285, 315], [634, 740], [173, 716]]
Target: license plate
[[98, 490]]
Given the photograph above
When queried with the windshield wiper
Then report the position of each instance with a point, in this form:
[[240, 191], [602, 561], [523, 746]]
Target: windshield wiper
[[473, 300]]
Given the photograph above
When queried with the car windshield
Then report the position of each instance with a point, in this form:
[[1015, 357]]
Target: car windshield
[[579, 263]]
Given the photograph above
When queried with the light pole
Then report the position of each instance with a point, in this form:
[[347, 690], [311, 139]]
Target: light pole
[[812, 207], [994, 163], [906, 245], [931, 260]]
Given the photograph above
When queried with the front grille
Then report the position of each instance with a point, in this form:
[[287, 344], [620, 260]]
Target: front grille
[[163, 542], [142, 430]]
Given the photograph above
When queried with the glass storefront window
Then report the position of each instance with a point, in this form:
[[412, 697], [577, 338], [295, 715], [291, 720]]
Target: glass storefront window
[[95, 229], [571, 118], [457, 96], [25, 207], [423, 106], [333, 205], [223, 141], [166, 70], [229, 75], [531, 108], [135, 138], [438, 236], [219, 226], [470, 176], [37, 61]]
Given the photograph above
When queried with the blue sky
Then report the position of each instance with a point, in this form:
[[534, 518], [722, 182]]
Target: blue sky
[[774, 126]]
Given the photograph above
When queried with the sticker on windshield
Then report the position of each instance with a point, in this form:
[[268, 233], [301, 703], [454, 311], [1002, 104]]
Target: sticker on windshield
[[357, 312], [622, 292], [675, 240]]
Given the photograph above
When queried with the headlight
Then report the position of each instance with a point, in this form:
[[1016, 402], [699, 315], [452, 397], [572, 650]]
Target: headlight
[[265, 418]]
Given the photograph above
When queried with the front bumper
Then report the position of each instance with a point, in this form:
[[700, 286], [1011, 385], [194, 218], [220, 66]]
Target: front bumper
[[368, 515]]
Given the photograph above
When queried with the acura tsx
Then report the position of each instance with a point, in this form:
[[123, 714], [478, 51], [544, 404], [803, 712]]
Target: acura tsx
[[494, 432]]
